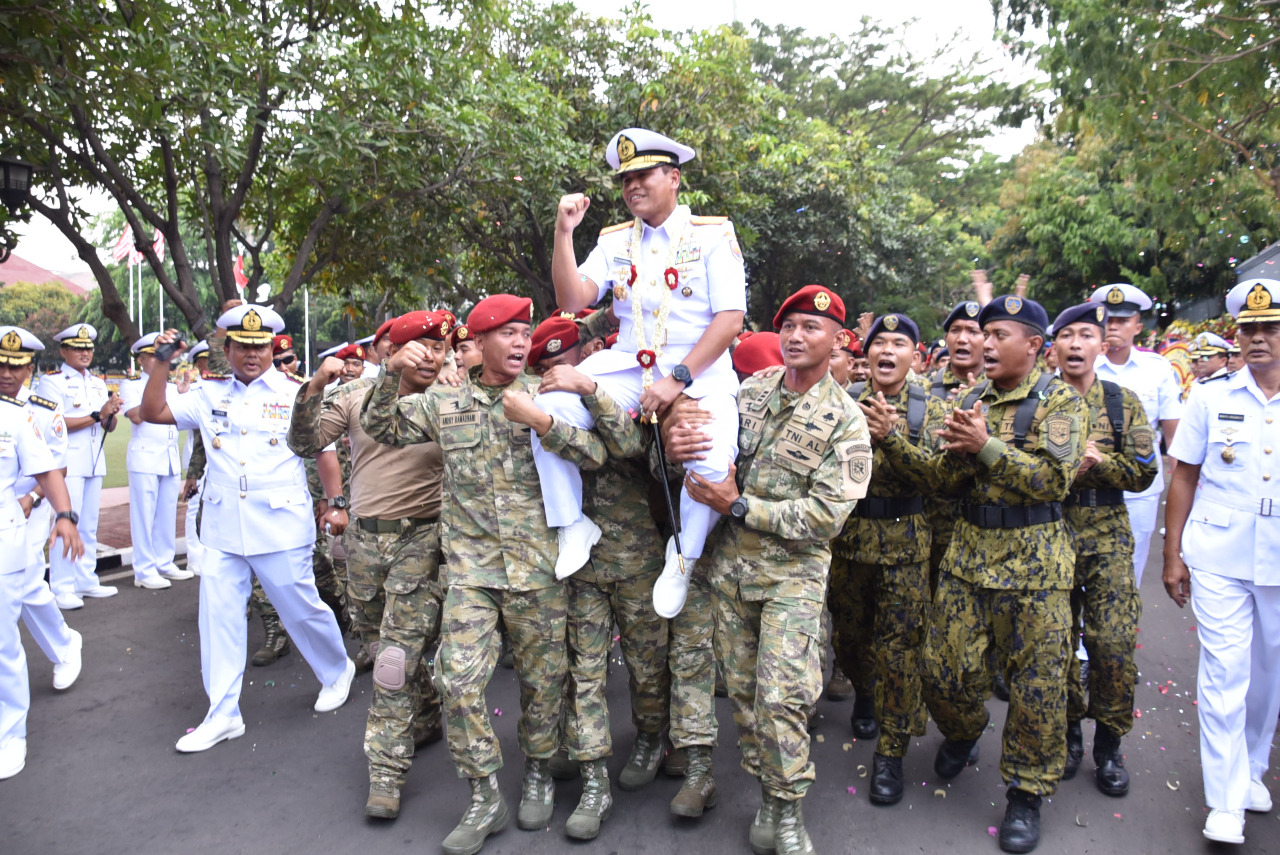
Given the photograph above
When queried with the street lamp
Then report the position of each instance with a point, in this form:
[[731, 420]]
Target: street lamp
[[15, 184]]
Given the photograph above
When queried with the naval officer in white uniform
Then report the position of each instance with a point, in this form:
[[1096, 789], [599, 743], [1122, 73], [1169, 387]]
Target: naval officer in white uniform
[[1222, 548], [90, 412], [256, 519], [191, 487], [155, 474]]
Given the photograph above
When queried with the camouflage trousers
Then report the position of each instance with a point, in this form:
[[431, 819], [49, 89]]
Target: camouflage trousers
[[407, 562], [1106, 600], [327, 583], [469, 649], [593, 608], [880, 614], [367, 563], [769, 651], [1031, 633], [691, 659]]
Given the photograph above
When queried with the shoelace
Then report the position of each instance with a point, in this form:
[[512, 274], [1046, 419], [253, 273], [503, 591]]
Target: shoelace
[[593, 797], [533, 785], [476, 813], [789, 832], [646, 747]]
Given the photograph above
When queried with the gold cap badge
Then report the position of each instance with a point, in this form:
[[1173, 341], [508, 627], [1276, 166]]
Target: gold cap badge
[[554, 345], [1115, 296], [1013, 305], [891, 322], [1102, 314], [11, 341], [251, 322], [1259, 299], [821, 301]]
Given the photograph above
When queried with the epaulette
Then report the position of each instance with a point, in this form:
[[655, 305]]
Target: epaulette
[[1218, 377], [293, 378], [42, 402], [13, 401], [611, 229], [54, 371], [708, 221], [211, 375]]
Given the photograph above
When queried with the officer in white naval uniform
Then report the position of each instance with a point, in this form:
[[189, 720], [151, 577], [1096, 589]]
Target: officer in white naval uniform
[[89, 410], [256, 519], [155, 473], [1153, 380], [1222, 548], [199, 356], [44, 620], [679, 293], [22, 452]]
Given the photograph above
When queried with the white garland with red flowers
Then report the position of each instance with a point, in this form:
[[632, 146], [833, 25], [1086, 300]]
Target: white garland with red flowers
[[680, 230]]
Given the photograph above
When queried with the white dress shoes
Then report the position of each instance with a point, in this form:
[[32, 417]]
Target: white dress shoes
[[1259, 797], [575, 540], [65, 673], [13, 756], [1225, 826], [151, 583], [210, 733], [335, 695], [67, 602], [671, 588], [99, 592], [177, 574]]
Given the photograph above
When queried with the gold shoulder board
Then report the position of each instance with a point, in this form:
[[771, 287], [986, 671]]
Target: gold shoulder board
[[611, 229]]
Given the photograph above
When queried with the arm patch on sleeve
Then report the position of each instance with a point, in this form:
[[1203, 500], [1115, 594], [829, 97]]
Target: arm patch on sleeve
[[855, 467]]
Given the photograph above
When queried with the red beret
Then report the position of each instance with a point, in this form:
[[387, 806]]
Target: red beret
[[849, 342], [611, 340], [280, 344], [351, 351], [760, 351], [812, 300], [744, 335], [415, 325], [384, 329], [459, 335], [492, 312], [565, 313], [552, 336]]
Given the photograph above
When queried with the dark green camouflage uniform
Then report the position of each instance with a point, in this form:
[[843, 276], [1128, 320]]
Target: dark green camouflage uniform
[[879, 595], [943, 511], [1105, 596], [1005, 587], [804, 460]]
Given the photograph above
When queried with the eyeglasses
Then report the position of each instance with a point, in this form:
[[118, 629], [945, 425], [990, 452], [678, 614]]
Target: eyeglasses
[[284, 360]]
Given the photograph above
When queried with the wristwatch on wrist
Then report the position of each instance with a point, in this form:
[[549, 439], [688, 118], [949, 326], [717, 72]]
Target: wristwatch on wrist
[[738, 510], [67, 515], [338, 503], [681, 373], [35, 499], [96, 415]]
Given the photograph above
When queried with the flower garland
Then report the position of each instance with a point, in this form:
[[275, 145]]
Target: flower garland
[[648, 354]]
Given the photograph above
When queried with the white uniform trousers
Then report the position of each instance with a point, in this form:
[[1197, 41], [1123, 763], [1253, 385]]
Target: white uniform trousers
[[195, 549], [1142, 518], [289, 582], [65, 575], [562, 481], [1239, 683], [153, 522], [40, 613], [15, 689]]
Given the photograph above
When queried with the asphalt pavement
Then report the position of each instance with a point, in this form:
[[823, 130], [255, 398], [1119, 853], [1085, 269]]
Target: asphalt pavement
[[103, 777]]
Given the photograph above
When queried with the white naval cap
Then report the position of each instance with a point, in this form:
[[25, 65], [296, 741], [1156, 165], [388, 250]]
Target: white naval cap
[[17, 346], [333, 350], [201, 348], [1208, 344], [250, 323], [146, 344], [78, 336], [636, 148], [366, 341], [1121, 299], [1255, 301]]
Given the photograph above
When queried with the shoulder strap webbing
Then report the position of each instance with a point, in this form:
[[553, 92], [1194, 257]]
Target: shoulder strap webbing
[[1026, 411], [1114, 397]]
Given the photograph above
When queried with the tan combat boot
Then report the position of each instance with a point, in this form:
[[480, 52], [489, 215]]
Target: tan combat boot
[[595, 805], [791, 837], [764, 828], [383, 802], [642, 766], [275, 645], [487, 814], [699, 789], [537, 795]]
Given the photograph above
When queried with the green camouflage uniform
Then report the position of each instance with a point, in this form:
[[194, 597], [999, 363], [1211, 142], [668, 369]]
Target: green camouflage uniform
[[501, 557], [804, 460], [1105, 596], [616, 585], [1005, 587], [879, 596], [943, 511]]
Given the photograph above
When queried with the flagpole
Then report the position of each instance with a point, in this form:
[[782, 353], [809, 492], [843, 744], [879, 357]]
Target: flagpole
[[306, 328], [129, 268]]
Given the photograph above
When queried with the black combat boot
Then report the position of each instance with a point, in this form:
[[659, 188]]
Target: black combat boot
[[886, 780], [1075, 750], [1111, 776], [1020, 831], [953, 756], [863, 719]]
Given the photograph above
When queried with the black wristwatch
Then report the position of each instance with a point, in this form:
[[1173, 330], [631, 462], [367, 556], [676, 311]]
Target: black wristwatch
[[738, 510], [338, 503], [96, 416], [681, 373], [67, 515]]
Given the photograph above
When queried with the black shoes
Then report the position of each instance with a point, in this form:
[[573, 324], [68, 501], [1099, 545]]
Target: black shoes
[[863, 719], [954, 756], [886, 780], [1000, 688], [1111, 776], [1020, 831], [1075, 750]]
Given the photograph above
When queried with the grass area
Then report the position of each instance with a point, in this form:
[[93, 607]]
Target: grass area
[[114, 451]]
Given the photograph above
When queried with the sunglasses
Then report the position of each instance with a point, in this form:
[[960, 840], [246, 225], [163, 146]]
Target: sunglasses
[[284, 360]]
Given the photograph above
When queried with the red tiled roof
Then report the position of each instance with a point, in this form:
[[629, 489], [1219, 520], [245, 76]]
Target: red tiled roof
[[17, 270]]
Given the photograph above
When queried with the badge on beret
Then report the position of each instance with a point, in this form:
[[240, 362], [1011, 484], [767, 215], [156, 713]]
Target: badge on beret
[[1259, 299], [11, 341], [626, 149], [251, 322], [971, 309], [620, 292], [1102, 314], [461, 334], [891, 322], [1013, 305], [1115, 296], [554, 345], [821, 301], [842, 339], [360, 351], [444, 329], [568, 316]]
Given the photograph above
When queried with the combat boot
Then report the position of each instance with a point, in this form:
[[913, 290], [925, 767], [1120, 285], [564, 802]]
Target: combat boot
[[595, 805], [642, 765], [699, 789], [276, 643], [1000, 688], [839, 687], [1111, 776], [337, 603], [1075, 750], [676, 764], [487, 814], [863, 719], [383, 802], [791, 837], [564, 767], [953, 756], [886, 780], [764, 828], [537, 795], [1020, 831]]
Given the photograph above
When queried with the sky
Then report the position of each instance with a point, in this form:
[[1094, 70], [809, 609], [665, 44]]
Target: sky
[[935, 23]]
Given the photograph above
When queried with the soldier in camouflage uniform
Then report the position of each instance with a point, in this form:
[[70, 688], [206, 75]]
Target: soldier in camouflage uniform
[[804, 460], [880, 566], [1008, 569], [1119, 457], [501, 557], [393, 578]]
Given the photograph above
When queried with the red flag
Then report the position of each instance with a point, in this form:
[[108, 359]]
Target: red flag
[[123, 244], [158, 246], [238, 270], [135, 257]]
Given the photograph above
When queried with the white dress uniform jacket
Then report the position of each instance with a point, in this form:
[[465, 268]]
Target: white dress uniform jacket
[[153, 449], [79, 394]]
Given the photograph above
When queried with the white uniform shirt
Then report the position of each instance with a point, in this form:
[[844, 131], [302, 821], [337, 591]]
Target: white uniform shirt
[[1151, 377], [79, 395], [153, 449], [53, 429], [1232, 432], [190, 446], [255, 499], [22, 452]]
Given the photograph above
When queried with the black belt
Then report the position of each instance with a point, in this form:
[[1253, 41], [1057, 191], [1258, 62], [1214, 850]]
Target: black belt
[[1104, 498], [871, 508], [389, 526], [995, 516]]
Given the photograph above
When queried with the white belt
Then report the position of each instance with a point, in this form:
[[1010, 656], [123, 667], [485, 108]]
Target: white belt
[[1249, 504], [245, 483]]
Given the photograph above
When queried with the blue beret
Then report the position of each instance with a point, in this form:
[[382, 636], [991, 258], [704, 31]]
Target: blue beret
[[1088, 313], [966, 311], [1009, 307], [894, 323]]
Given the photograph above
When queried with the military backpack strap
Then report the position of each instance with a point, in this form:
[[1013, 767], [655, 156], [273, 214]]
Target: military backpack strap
[[1113, 395], [856, 389], [939, 389], [1026, 411], [974, 394], [917, 403]]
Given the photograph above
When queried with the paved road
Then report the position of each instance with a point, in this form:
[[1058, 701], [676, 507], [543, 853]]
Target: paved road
[[102, 776]]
